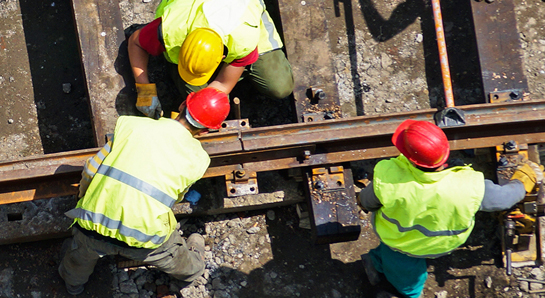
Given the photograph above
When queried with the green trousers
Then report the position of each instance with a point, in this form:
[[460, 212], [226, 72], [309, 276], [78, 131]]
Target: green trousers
[[271, 75], [407, 274], [173, 257]]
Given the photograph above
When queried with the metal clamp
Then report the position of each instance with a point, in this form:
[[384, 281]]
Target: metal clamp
[[241, 182], [325, 179]]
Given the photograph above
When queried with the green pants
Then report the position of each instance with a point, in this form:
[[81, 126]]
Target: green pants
[[271, 75], [173, 257], [407, 274]]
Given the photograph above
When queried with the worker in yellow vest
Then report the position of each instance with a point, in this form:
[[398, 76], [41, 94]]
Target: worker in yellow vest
[[128, 188], [422, 209], [211, 42]]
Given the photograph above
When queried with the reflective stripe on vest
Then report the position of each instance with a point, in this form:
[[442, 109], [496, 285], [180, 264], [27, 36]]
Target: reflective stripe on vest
[[422, 229], [138, 184], [115, 225], [269, 27]]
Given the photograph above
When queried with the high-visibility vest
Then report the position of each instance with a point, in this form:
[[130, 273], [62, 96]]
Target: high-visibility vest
[[425, 214], [242, 24], [150, 166]]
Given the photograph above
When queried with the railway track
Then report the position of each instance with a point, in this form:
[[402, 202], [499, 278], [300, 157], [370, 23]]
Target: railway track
[[322, 149]]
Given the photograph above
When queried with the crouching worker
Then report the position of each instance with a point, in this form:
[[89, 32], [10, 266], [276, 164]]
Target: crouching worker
[[421, 209], [129, 187]]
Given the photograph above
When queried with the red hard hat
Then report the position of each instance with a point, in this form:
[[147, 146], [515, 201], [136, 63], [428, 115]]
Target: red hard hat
[[208, 106], [422, 142]]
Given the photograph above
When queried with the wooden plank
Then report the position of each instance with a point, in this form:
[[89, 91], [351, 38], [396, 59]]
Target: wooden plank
[[308, 49], [100, 33]]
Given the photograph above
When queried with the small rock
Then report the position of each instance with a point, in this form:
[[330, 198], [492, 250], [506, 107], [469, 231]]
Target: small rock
[[123, 276], [488, 282], [244, 283], [524, 286], [271, 215], [146, 1], [253, 230], [66, 88], [10, 121], [536, 286], [128, 287], [442, 294], [419, 38], [385, 60], [537, 273]]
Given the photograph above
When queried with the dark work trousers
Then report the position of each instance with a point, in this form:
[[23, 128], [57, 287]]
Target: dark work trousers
[[172, 257], [271, 75]]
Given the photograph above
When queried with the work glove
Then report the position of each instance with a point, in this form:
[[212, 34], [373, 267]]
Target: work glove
[[147, 101], [524, 223], [529, 173]]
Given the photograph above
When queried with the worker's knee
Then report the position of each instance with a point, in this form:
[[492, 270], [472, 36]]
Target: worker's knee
[[280, 91]]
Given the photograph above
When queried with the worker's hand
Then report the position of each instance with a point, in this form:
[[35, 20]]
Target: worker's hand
[[528, 173], [524, 223], [147, 101]]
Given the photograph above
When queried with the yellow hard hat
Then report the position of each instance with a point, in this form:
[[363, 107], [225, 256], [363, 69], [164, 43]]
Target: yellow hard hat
[[200, 55]]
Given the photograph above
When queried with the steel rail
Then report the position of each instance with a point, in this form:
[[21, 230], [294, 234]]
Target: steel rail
[[292, 146]]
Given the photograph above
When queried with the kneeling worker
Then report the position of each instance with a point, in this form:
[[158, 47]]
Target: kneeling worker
[[421, 209], [128, 188]]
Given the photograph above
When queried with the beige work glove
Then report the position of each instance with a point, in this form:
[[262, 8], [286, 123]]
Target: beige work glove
[[529, 173], [147, 101]]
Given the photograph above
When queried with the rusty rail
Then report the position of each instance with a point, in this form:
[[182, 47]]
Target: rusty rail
[[292, 146]]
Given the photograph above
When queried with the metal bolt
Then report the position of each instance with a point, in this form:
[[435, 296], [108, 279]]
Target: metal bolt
[[319, 94], [511, 145], [240, 173], [503, 161], [319, 185]]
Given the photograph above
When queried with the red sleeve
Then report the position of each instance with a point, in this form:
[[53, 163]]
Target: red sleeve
[[249, 59], [149, 38]]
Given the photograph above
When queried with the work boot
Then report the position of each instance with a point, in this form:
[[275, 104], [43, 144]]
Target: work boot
[[372, 273], [195, 242], [74, 290]]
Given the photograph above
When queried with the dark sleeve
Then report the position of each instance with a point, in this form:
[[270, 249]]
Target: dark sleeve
[[368, 198], [501, 197]]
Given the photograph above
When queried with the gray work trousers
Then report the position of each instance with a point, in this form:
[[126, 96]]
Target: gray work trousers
[[271, 75], [173, 257]]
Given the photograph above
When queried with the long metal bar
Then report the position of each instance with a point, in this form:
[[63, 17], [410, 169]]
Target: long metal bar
[[499, 47], [288, 146]]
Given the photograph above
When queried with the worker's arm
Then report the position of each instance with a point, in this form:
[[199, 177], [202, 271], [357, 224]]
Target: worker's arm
[[227, 78], [138, 58], [91, 167], [501, 197], [368, 199]]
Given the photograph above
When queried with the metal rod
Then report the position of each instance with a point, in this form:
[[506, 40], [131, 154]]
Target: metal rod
[[236, 102], [443, 57]]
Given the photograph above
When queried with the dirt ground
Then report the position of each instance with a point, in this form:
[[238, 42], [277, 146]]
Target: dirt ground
[[385, 60]]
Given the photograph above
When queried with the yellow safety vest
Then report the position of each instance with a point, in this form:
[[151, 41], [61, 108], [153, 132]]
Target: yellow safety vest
[[242, 24], [425, 214], [149, 168]]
